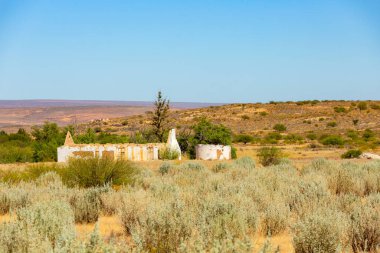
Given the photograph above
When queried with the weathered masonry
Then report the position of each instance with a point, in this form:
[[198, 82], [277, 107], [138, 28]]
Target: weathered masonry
[[212, 152], [127, 151]]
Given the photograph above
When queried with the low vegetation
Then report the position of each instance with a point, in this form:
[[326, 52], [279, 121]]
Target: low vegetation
[[326, 207], [269, 156], [89, 172]]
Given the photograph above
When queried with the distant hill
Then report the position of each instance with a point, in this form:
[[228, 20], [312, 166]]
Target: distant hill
[[26, 113], [75, 103], [259, 119]]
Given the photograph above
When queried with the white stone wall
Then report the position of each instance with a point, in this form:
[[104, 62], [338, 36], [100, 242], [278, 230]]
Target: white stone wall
[[212, 152], [132, 152]]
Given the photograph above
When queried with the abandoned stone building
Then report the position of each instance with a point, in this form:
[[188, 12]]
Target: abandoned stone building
[[138, 152], [126, 151]]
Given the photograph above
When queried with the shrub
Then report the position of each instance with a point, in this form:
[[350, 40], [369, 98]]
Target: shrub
[[233, 152], [161, 226], [275, 218], [322, 231], [362, 106], [168, 154], [15, 154], [375, 106], [311, 136], [263, 114], [15, 238], [332, 124], [332, 140], [86, 205], [279, 127], [164, 168], [293, 138], [365, 226], [272, 138], [368, 135], [220, 167], [97, 171], [244, 138], [352, 153], [12, 198], [269, 156], [245, 117], [192, 166], [245, 162], [340, 109], [110, 201], [53, 220]]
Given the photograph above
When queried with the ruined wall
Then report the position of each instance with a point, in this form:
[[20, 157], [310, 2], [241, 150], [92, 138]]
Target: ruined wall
[[131, 152], [213, 152]]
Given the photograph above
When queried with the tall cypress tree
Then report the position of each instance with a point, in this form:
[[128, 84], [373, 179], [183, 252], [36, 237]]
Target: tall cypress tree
[[160, 116]]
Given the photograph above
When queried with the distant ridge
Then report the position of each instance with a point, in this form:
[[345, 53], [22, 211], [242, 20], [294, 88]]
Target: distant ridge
[[73, 103]]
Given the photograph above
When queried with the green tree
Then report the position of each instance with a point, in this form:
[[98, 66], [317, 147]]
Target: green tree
[[206, 132], [160, 116], [47, 139], [88, 137]]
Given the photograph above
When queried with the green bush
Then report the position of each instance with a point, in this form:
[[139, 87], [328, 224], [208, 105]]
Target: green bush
[[10, 153], [332, 124], [340, 109], [168, 154], [97, 171], [272, 138], [311, 136], [269, 156], [279, 127], [352, 153], [293, 138], [233, 152], [164, 168], [332, 140], [243, 138], [368, 135]]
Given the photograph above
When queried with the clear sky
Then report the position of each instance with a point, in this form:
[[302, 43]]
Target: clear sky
[[195, 50]]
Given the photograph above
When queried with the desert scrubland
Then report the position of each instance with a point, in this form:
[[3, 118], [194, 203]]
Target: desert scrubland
[[190, 206]]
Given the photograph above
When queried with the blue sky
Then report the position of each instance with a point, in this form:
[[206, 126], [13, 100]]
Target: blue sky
[[199, 50]]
